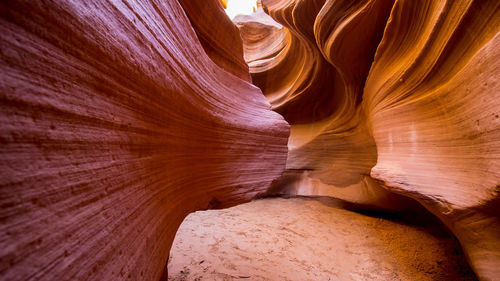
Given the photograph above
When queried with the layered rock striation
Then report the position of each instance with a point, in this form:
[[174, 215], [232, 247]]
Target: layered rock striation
[[118, 121], [409, 105]]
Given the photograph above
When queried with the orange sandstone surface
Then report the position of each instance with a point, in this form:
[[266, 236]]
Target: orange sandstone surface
[[411, 106]]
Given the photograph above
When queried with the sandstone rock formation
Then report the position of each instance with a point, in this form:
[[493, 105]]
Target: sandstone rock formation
[[115, 125], [411, 105], [218, 35], [121, 117]]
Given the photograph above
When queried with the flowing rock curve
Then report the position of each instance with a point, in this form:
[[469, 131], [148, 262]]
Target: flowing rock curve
[[416, 92], [115, 125]]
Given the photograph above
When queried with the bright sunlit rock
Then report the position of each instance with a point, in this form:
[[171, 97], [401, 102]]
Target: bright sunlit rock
[[240, 7]]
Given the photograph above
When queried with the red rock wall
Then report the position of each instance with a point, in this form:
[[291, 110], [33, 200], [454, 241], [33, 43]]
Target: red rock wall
[[415, 112], [218, 35], [115, 124]]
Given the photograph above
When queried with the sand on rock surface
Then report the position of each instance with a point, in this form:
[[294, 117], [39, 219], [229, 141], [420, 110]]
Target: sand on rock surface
[[312, 239]]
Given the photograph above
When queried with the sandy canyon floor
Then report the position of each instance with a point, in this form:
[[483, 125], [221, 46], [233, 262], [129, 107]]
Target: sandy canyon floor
[[312, 239]]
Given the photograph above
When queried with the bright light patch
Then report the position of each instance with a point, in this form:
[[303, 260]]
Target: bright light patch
[[240, 7]]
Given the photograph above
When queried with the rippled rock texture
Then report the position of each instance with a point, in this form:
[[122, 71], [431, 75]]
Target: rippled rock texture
[[115, 124], [391, 96]]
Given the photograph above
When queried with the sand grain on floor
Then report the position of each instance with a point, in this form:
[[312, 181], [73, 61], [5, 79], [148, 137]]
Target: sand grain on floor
[[307, 239]]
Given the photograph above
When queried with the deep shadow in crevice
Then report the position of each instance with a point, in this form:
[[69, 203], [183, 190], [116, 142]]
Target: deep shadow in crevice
[[418, 217]]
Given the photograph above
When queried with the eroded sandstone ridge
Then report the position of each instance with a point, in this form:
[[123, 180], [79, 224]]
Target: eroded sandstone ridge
[[390, 95], [115, 125]]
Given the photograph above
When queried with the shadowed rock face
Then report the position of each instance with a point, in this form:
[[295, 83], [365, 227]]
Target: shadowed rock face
[[115, 125], [411, 105]]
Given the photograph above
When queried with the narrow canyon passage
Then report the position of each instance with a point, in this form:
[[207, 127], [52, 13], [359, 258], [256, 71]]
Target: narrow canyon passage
[[120, 119], [304, 239]]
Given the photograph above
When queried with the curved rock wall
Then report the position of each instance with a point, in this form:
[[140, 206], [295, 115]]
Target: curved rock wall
[[218, 35], [444, 146], [414, 106], [115, 125], [291, 81]]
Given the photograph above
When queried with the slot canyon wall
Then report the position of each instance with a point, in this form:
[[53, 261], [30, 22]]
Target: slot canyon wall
[[116, 124], [388, 98], [119, 118]]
